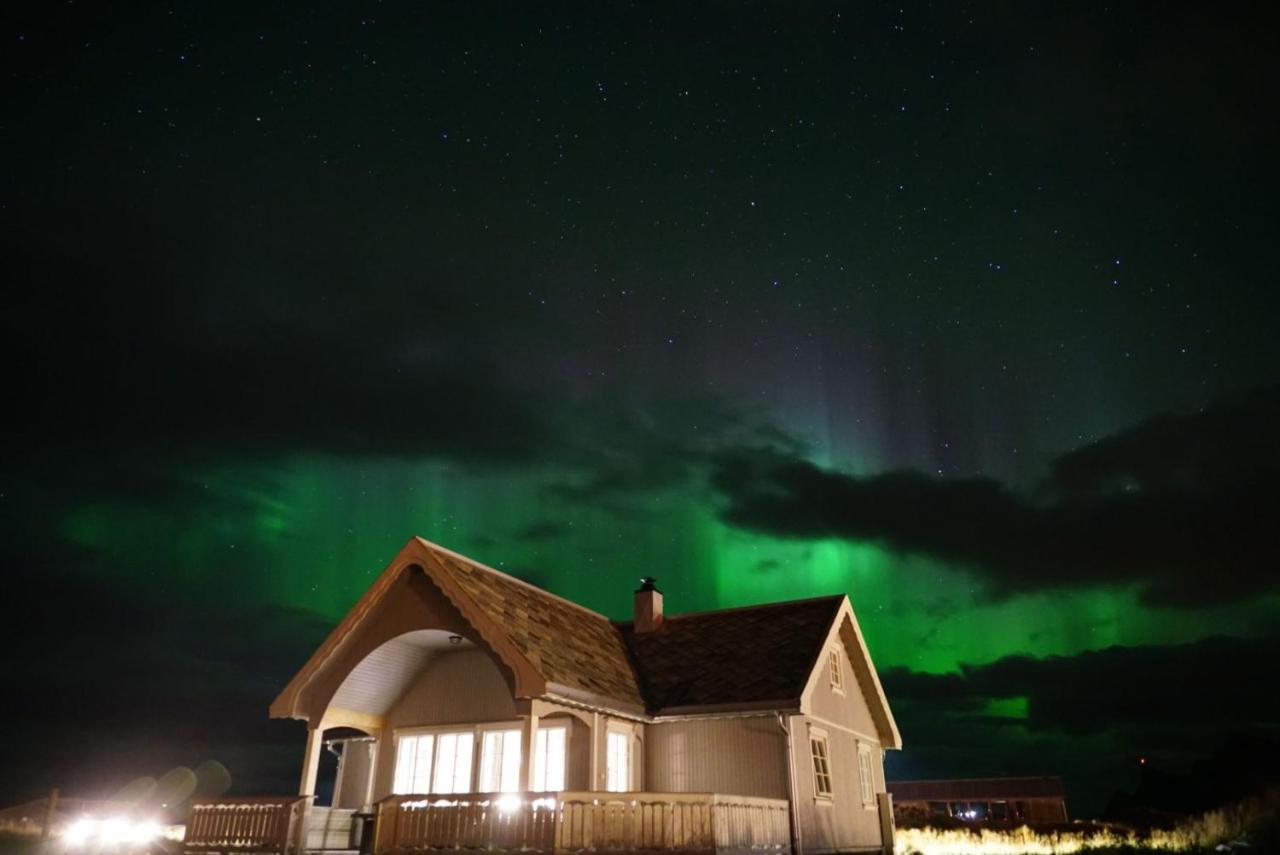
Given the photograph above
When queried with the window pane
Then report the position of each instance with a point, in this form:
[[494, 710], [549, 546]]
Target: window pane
[[864, 772], [618, 778], [500, 762], [549, 760], [821, 770], [511, 761], [453, 764], [413, 764], [404, 765]]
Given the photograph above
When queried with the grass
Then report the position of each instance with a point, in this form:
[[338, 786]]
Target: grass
[[1255, 823]]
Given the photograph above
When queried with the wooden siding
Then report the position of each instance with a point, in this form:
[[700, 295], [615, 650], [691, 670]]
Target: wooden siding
[[849, 709], [381, 677], [843, 822], [351, 788], [745, 755], [577, 770]]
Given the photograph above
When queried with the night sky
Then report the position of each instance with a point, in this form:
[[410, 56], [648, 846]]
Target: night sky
[[967, 310]]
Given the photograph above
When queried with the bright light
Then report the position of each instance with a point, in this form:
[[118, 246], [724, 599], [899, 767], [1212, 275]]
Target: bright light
[[78, 832], [115, 831], [509, 803]]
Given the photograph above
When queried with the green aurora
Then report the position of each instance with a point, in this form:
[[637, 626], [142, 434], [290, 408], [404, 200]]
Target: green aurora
[[312, 534]]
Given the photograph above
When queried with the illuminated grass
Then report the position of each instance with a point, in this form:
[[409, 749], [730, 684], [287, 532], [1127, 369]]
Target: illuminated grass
[[1253, 823]]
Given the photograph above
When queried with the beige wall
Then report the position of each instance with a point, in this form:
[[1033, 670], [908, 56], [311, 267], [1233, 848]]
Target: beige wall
[[849, 709], [843, 823], [577, 771], [463, 687], [742, 756]]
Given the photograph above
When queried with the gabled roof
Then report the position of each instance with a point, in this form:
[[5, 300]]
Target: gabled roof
[[753, 658], [745, 656], [572, 646]]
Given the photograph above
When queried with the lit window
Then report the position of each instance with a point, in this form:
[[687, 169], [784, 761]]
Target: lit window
[[413, 764], [500, 762], [864, 775], [821, 765], [453, 763], [833, 665], [618, 777], [548, 759]]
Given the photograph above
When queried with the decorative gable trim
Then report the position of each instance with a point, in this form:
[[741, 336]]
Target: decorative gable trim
[[528, 682], [845, 631]]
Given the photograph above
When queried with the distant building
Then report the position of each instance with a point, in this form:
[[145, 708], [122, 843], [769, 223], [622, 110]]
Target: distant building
[[981, 799]]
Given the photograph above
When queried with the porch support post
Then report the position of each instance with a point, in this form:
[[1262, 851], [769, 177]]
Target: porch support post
[[595, 752], [307, 786], [528, 732], [311, 761]]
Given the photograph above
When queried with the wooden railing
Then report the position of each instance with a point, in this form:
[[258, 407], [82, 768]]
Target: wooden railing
[[582, 821], [250, 824]]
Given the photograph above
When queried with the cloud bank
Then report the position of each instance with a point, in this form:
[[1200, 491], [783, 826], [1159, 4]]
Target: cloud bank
[[1187, 509]]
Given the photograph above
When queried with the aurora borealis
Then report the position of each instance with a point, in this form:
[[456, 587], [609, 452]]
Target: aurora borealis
[[965, 310]]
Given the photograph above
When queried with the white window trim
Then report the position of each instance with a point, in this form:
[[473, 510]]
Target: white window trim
[[483, 731], [867, 783], [436, 731], [835, 671], [477, 731], [555, 724], [628, 733], [818, 734]]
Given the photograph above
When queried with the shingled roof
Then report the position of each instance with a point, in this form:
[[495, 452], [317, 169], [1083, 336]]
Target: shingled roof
[[743, 656], [569, 644], [756, 657]]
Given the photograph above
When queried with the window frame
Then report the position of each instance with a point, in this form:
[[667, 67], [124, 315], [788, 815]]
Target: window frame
[[540, 774], [820, 763], [483, 732], [625, 735], [435, 732], [866, 775], [835, 670]]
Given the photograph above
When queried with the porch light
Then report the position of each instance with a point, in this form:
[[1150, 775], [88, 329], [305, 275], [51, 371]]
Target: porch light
[[509, 803]]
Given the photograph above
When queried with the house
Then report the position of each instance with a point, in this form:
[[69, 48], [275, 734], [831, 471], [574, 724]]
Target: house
[[981, 799], [493, 714]]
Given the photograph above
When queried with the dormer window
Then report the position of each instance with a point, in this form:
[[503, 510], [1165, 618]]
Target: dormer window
[[833, 666]]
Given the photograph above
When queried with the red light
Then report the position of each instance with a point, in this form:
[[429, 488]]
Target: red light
[[1142, 761]]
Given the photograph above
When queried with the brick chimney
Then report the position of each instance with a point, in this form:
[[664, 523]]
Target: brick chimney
[[648, 615]]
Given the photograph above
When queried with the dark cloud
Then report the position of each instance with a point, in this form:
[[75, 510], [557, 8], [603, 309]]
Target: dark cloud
[[1185, 508], [105, 686], [1088, 716], [1229, 443], [1212, 683]]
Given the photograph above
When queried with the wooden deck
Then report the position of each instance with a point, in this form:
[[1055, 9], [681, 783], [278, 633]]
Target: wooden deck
[[552, 823], [570, 822], [245, 824]]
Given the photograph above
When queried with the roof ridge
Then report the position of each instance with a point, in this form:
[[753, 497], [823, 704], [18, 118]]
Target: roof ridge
[[756, 606], [969, 780], [435, 547]]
